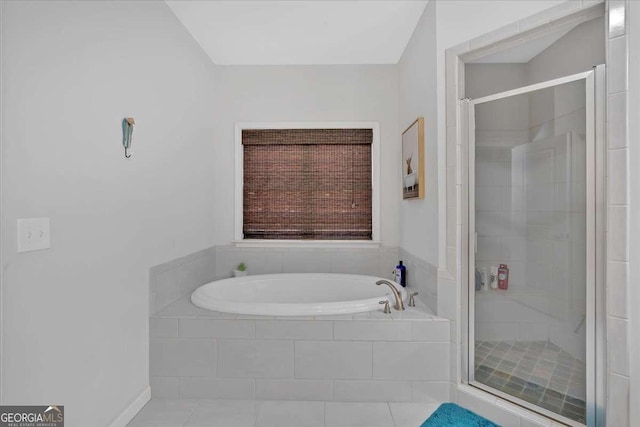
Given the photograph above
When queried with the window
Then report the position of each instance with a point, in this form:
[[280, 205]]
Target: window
[[301, 184]]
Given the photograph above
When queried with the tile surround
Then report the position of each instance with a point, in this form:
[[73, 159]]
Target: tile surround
[[411, 361], [333, 360], [172, 280], [618, 243], [181, 357], [372, 391], [214, 388], [294, 389], [371, 356], [421, 277], [159, 328], [375, 262], [373, 330], [252, 358], [618, 338], [617, 272], [618, 184], [617, 65], [618, 400], [616, 119], [216, 328], [292, 330]]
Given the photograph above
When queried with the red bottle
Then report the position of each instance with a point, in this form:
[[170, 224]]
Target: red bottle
[[503, 277]]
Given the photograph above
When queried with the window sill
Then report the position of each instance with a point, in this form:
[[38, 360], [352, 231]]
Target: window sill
[[296, 244]]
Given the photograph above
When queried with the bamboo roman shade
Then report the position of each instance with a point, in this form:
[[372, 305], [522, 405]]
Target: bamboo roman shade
[[307, 184]]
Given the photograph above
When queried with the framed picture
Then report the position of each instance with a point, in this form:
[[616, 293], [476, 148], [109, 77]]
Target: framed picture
[[413, 160]]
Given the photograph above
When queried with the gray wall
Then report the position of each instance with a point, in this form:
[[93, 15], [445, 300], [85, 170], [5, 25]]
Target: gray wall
[[75, 317], [306, 94], [417, 98], [418, 219], [71, 72]]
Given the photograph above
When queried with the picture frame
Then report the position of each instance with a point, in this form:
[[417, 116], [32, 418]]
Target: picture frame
[[413, 185]]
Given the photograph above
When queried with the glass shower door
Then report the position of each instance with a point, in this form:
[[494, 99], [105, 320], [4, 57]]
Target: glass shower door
[[531, 252]]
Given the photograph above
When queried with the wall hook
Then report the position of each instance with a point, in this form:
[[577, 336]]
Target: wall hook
[[127, 135]]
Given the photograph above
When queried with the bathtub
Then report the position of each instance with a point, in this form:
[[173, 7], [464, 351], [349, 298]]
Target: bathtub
[[292, 294]]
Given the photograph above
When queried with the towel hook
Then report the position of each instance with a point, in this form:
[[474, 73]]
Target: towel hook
[[127, 135]]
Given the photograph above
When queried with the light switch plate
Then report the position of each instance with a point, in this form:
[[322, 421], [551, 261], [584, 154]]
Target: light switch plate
[[33, 234]]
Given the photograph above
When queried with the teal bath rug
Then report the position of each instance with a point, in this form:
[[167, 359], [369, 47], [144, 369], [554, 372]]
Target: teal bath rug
[[452, 415]]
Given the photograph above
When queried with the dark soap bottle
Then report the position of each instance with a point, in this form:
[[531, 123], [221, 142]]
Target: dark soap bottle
[[401, 274]]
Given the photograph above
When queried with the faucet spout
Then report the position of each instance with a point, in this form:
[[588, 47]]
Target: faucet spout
[[399, 304]]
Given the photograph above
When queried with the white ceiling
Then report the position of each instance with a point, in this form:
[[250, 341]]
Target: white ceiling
[[300, 32]]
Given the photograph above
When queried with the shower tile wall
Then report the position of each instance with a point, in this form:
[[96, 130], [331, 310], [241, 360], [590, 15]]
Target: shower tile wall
[[498, 240], [618, 203], [530, 214], [502, 239]]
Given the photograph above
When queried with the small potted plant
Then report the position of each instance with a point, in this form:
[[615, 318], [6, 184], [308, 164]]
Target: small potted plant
[[240, 270]]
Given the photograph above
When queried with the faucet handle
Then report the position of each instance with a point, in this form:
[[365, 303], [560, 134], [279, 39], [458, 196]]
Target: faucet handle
[[412, 301], [386, 309]]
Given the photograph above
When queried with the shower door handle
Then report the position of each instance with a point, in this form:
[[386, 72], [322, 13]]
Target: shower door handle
[[475, 242]]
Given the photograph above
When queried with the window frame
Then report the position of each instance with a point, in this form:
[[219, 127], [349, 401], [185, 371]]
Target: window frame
[[239, 240]]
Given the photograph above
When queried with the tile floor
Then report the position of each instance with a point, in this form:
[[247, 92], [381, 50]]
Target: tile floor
[[535, 371], [256, 413]]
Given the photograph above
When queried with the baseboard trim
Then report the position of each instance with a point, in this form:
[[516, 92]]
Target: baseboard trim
[[130, 411]]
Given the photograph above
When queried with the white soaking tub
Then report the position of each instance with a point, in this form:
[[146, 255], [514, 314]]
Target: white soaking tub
[[292, 294]]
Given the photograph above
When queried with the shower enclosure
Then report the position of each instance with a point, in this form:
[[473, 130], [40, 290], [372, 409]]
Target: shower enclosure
[[533, 245]]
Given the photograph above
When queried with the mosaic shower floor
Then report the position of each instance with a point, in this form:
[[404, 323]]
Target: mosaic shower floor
[[538, 372]]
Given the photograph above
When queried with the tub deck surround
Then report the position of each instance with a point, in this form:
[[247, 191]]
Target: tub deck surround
[[422, 276], [184, 308], [296, 294], [176, 278], [366, 357]]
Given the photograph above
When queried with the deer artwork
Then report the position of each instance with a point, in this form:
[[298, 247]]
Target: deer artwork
[[409, 170]]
